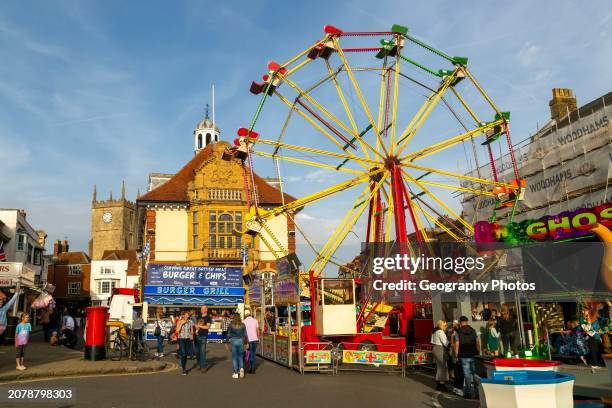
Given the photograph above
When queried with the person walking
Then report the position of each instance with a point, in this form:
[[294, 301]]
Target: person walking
[[45, 321], [440, 353], [508, 329], [237, 337], [138, 326], [202, 326], [160, 333], [22, 336], [69, 339], [466, 347], [252, 330], [225, 322], [492, 338], [185, 329]]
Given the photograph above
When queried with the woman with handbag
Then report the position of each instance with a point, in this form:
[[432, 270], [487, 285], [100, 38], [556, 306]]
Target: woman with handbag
[[238, 341], [185, 329], [440, 353]]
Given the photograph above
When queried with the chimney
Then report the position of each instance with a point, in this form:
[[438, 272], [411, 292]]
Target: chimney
[[65, 246], [562, 103], [57, 247]]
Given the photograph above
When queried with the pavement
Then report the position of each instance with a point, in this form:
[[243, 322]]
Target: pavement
[[46, 361], [272, 386], [589, 384]]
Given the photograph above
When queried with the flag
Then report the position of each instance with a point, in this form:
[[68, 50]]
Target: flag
[[2, 253], [245, 255], [145, 250]]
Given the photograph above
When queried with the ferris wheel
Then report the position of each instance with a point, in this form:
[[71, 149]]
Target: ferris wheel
[[397, 134]]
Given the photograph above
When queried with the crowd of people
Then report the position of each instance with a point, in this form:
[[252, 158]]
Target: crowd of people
[[190, 334], [454, 347]]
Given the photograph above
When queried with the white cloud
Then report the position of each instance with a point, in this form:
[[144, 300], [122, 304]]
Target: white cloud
[[528, 54]]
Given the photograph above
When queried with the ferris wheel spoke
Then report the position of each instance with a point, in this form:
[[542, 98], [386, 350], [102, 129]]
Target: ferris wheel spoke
[[457, 175], [362, 100], [438, 201], [302, 53], [409, 132], [438, 147], [340, 233], [466, 106], [364, 145], [301, 202], [279, 145], [440, 216], [381, 100], [354, 207], [482, 92], [353, 133], [395, 100], [307, 162], [474, 191], [437, 222], [317, 126]]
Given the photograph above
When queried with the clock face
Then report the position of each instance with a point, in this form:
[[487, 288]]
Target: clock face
[[107, 217]]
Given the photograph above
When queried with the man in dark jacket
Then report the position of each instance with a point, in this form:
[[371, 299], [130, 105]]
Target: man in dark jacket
[[467, 346]]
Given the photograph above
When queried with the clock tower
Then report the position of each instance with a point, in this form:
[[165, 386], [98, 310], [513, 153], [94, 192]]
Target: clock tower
[[113, 224]]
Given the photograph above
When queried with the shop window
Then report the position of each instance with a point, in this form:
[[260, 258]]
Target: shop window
[[74, 270], [74, 288], [221, 226]]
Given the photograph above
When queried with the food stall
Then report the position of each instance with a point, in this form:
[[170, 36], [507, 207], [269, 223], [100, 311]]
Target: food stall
[[172, 289], [274, 302]]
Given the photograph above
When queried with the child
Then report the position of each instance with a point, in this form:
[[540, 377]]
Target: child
[[22, 335], [492, 338]]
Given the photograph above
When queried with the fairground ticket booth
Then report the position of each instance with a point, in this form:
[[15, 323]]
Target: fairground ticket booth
[[274, 303], [172, 289]]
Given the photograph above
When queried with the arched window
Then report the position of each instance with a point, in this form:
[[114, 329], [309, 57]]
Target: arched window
[[208, 139], [199, 141], [221, 229]]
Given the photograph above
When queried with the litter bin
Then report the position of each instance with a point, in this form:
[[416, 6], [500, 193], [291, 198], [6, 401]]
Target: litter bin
[[513, 364], [527, 389], [95, 333]]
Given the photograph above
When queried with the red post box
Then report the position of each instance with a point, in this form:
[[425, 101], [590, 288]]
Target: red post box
[[95, 333]]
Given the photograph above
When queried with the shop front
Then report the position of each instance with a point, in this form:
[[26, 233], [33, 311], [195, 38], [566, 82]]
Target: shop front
[[17, 277], [172, 289]]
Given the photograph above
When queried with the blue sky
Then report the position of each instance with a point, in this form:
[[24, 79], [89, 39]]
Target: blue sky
[[97, 92]]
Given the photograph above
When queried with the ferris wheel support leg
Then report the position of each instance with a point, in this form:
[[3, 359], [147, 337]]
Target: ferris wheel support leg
[[402, 242]]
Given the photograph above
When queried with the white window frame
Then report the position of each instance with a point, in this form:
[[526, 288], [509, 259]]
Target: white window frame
[[107, 270], [112, 284], [74, 270], [74, 288], [22, 245]]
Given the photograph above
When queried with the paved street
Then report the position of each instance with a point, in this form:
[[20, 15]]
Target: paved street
[[272, 386]]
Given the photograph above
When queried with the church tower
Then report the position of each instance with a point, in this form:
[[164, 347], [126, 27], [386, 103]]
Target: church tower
[[205, 133], [113, 224]]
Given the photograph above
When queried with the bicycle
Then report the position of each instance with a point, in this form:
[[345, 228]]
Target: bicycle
[[141, 351], [118, 345]]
